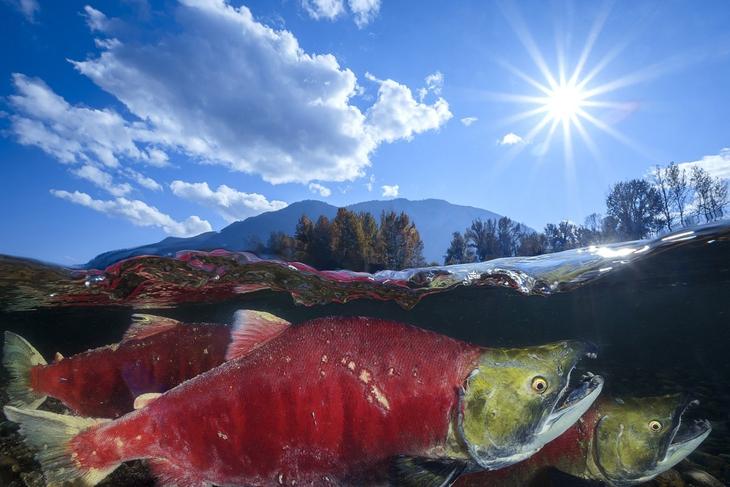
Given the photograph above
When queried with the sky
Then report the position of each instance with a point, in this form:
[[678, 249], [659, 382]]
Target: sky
[[122, 123]]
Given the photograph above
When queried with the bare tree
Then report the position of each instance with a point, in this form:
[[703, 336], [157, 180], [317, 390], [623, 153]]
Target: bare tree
[[702, 184], [678, 189], [661, 183]]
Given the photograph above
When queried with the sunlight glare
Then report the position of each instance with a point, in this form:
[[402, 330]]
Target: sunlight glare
[[564, 102]]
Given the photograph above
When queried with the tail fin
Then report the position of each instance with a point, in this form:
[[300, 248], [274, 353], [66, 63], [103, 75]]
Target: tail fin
[[50, 435], [19, 357]]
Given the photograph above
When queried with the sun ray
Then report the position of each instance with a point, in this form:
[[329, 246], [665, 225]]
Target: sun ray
[[524, 76], [590, 41], [569, 99], [523, 34]]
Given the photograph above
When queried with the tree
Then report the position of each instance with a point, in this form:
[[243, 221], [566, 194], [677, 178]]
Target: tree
[[320, 251], [532, 243], [711, 194], [505, 237], [563, 236], [482, 238], [458, 251], [678, 190], [371, 257], [637, 208], [399, 241], [303, 235], [281, 245], [660, 176], [348, 241]]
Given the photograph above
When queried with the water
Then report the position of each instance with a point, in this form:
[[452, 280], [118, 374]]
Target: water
[[659, 312]]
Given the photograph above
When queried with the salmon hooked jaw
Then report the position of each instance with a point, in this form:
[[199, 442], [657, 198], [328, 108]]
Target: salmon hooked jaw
[[518, 400], [686, 437]]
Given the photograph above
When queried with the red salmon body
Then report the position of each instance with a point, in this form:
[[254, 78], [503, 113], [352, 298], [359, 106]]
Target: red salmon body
[[154, 356], [320, 404]]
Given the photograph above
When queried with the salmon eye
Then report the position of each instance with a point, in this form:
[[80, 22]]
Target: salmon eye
[[655, 425], [539, 385]]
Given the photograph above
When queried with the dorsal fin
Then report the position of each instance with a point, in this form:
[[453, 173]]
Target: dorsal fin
[[144, 399], [144, 326], [251, 329]]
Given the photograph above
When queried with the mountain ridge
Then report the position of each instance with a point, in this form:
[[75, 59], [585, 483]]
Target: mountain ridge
[[436, 220]]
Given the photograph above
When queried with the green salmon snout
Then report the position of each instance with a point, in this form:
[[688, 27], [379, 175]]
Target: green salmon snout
[[637, 439], [519, 399]]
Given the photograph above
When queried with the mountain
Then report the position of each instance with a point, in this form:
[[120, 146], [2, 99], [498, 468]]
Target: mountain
[[435, 219]]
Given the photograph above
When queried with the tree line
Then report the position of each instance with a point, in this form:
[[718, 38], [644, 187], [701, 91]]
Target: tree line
[[670, 198], [354, 241]]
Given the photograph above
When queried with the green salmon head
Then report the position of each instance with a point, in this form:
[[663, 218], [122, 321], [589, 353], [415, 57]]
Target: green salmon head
[[637, 439], [518, 399]]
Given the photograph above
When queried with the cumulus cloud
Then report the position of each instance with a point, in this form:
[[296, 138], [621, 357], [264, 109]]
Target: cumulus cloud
[[364, 11], [324, 9], [84, 138], [717, 165], [304, 129], [467, 121], [230, 203], [138, 213], [390, 191], [102, 179], [511, 139], [323, 191], [397, 115]]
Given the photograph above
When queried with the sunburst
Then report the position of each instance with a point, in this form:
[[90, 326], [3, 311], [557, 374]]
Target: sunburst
[[569, 102]]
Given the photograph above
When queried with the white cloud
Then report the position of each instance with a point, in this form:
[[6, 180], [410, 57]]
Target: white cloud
[[323, 191], [142, 180], [434, 84], [397, 115], [511, 139], [390, 191], [26, 7], [102, 179], [717, 165], [364, 11], [304, 129], [324, 9], [371, 181], [96, 20], [230, 203], [138, 213], [84, 138], [468, 120]]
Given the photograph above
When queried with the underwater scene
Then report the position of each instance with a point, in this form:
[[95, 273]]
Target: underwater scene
[[355, 243], [604, 365]]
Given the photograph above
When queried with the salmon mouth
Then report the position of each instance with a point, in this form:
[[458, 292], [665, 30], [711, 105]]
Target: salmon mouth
[[571, 405], [685, 439]]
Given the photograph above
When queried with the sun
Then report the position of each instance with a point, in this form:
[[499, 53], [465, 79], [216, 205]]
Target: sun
[[570, 99], [565, 102]]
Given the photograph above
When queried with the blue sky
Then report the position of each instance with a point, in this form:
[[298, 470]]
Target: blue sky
[[126, 122]]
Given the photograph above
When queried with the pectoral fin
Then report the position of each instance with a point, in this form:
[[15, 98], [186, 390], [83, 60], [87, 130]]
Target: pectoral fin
[[408, 471]]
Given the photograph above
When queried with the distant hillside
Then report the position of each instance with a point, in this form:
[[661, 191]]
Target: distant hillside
[[435, 219]]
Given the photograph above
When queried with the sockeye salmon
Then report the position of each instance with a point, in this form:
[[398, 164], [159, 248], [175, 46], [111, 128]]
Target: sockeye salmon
[[155, 355], [617, 443], [333, 401]]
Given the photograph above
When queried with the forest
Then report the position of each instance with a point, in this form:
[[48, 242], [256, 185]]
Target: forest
[[669, 198]]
